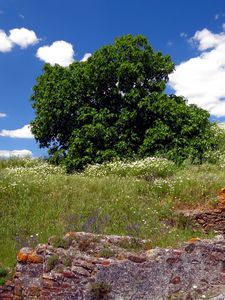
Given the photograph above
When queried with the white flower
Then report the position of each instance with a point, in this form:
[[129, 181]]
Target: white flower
[[195, 287]]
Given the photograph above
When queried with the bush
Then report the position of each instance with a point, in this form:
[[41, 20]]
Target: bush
[[100, 290]]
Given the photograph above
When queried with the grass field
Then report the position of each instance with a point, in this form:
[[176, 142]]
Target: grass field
[[38, 200]]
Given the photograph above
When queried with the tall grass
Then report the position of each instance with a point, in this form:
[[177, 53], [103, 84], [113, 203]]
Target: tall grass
[[38, 200]]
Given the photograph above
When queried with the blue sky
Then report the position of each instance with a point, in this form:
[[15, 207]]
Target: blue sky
[[36, 31]]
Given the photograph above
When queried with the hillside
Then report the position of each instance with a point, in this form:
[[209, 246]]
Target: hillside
[[38, 200]]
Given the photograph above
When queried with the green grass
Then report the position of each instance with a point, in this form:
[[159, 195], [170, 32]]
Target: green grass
[[38, 200]]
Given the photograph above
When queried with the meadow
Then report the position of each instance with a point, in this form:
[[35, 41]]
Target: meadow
[[38, 200]]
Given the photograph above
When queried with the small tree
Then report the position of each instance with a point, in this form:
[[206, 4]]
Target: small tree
[[114, 105]]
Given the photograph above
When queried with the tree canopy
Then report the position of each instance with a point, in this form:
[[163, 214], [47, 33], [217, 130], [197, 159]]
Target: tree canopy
[[115, 105]]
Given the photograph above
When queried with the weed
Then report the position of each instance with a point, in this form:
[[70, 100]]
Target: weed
[[106, 252], [3, 272], [2, 281], [84, 244], [59, 242], [95, 222], [100, 290], [52, 262], [132, 244], [4, 275], [147, 245], [67, 261]]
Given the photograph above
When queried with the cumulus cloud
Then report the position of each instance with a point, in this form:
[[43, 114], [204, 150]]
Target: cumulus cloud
[[201, 79], [5, 43], [15, 153], [2, 115], [23, 37], [205, 39], [21, 133], [60, 52], [86, 56]]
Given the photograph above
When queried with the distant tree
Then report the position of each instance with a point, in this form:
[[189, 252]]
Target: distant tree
[[114, 105]]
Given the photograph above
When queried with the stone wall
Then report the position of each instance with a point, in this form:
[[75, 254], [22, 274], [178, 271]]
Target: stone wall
[[208, 220], [86, 266]]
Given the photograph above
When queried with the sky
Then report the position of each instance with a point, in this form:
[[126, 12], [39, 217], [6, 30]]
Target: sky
[[33, 32]]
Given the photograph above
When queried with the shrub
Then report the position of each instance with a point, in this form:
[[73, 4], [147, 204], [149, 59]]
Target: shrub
[[52, 262], [59, 242], [100, 290]]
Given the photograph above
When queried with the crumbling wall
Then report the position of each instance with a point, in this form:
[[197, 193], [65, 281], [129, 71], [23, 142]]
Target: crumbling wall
[[208, 220], [87, 266]]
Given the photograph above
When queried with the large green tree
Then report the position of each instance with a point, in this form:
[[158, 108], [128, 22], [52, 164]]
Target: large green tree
[[114, 105]]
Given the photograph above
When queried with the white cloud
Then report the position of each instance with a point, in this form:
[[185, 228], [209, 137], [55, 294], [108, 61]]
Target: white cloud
[[205, 39], [18, 36], [201, 79], [21, 133], [60, 52], [15, 153], [2, 115], [86, 56], [183, 35], [23, 37], [216, 17], [5, 43]]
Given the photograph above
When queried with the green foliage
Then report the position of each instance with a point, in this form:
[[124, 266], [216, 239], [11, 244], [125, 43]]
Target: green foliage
[[100, 290], [3, 272], [132, 244], [113, 105], [59, 242], [2, 281], [67, 261], [106, 252], [52, 262], [4, 275]]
